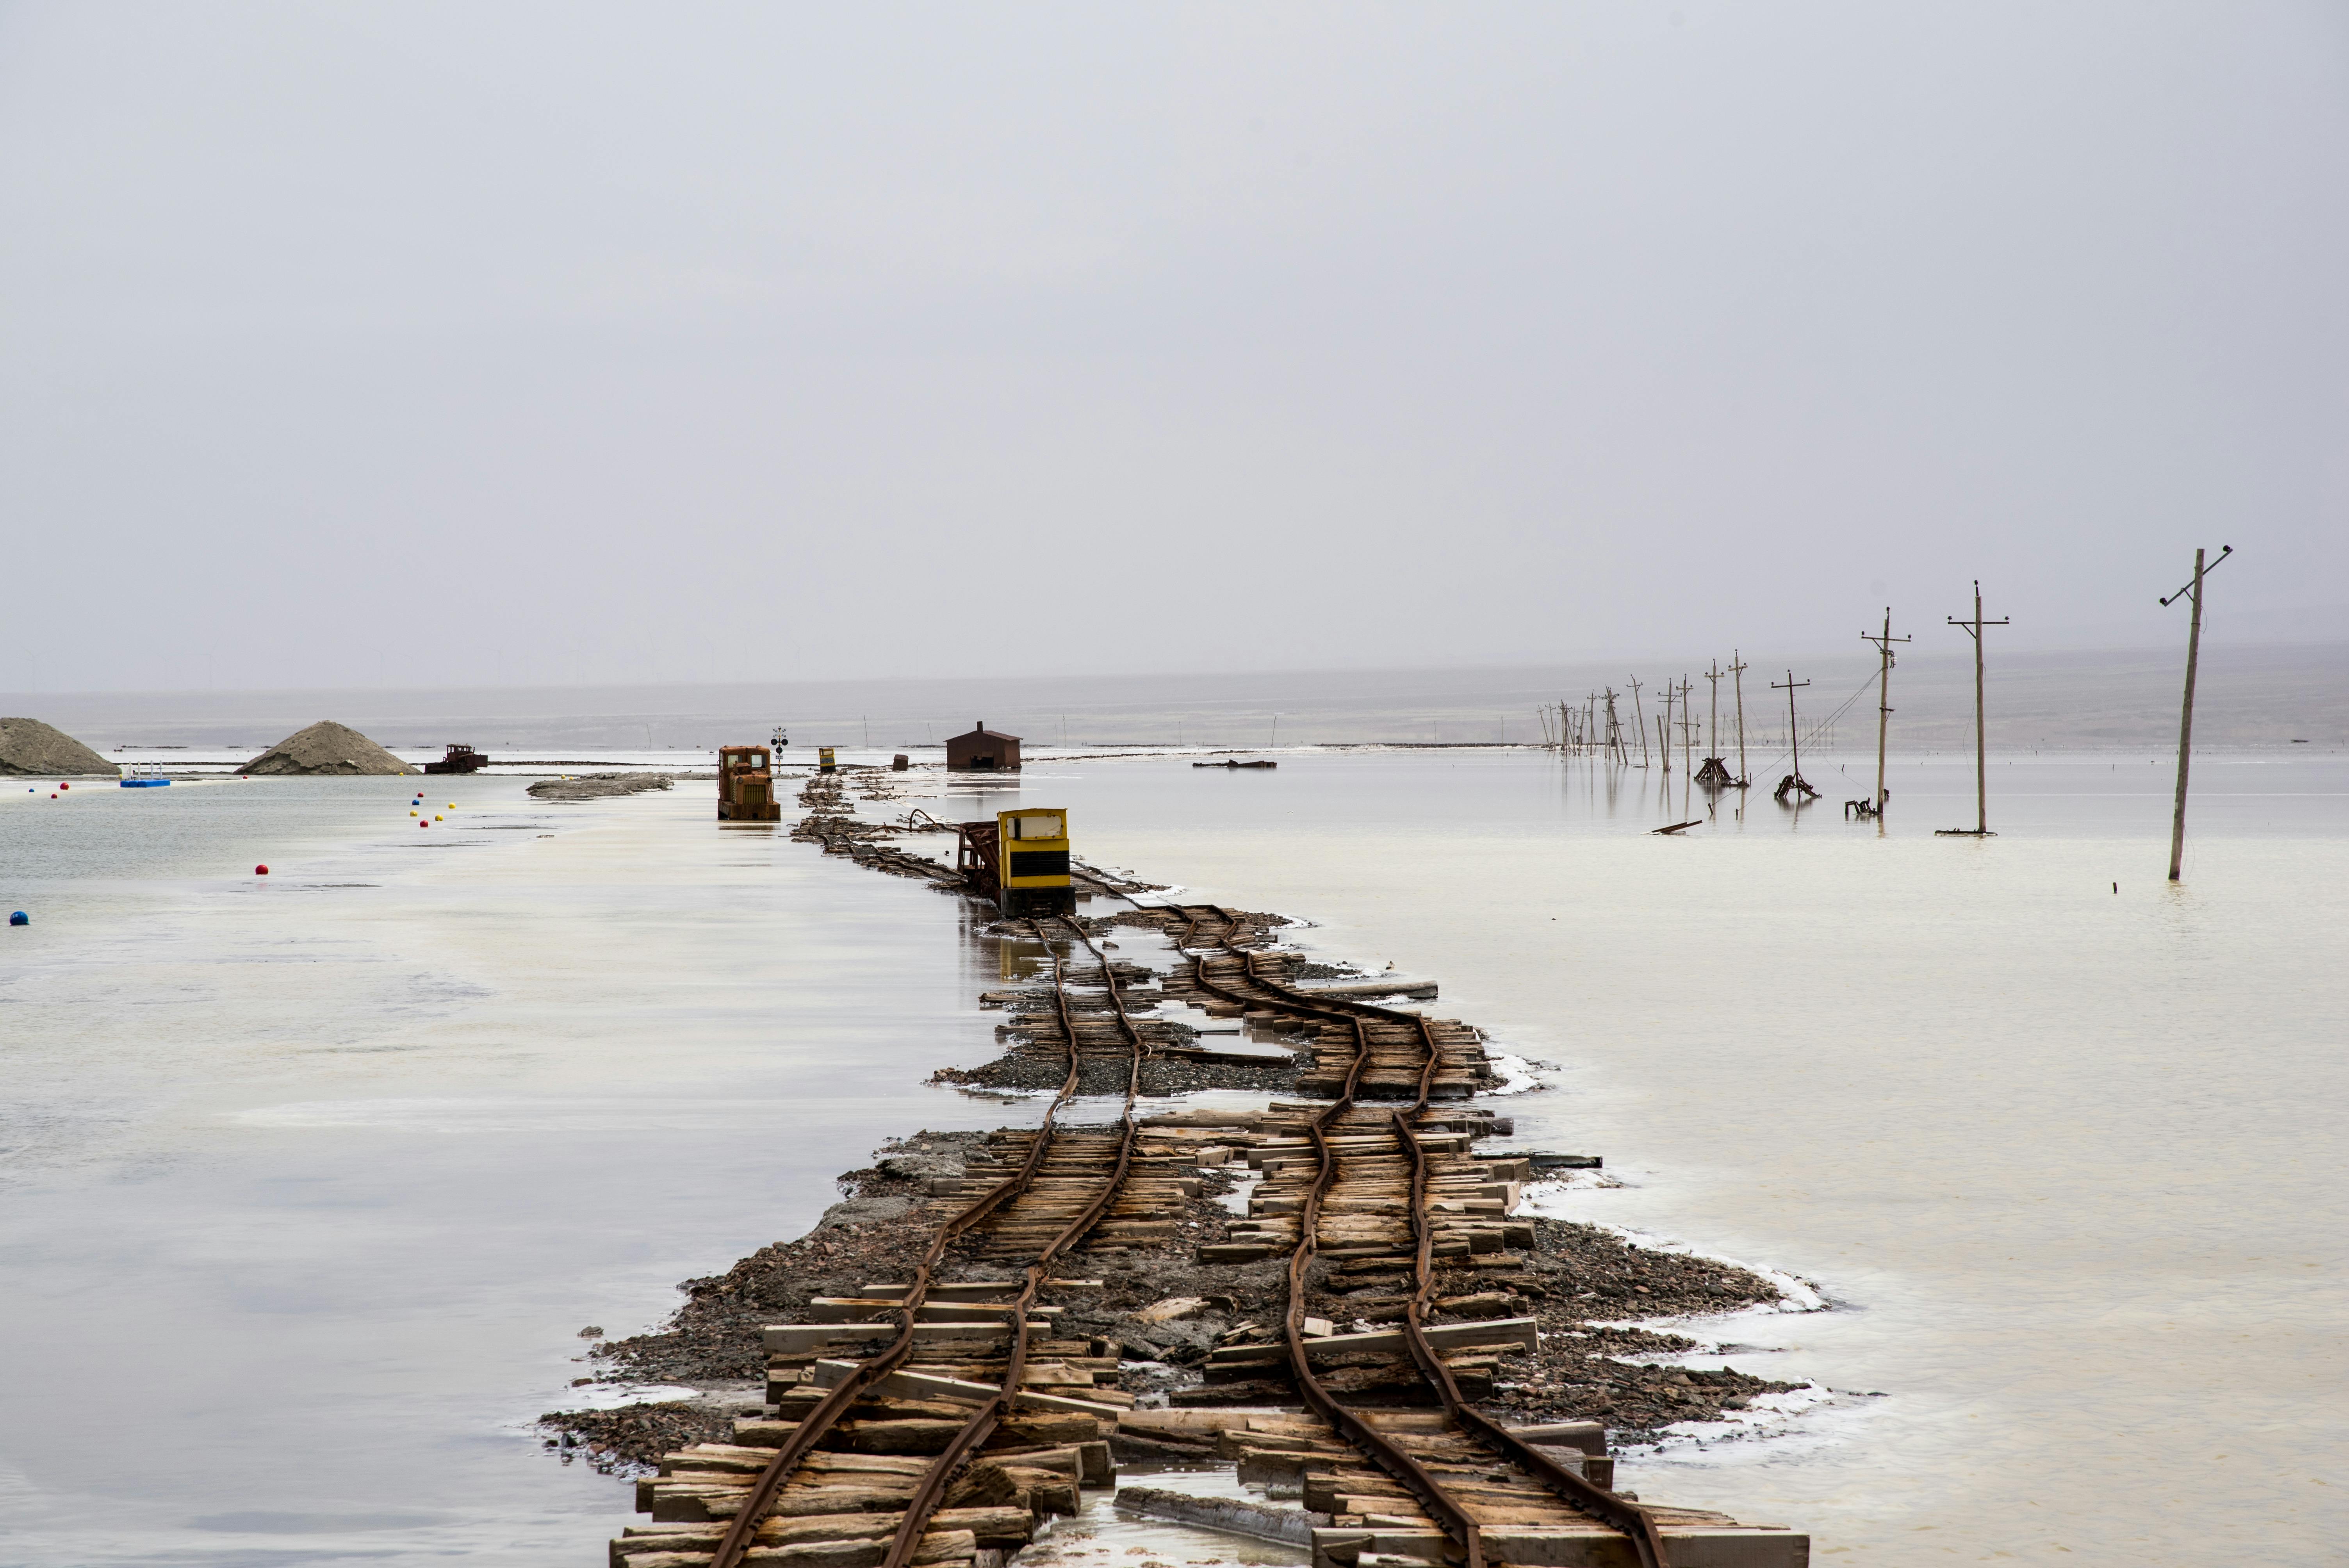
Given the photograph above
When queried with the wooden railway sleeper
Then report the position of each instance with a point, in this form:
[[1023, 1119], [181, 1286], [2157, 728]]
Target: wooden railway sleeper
[[981, 1426]]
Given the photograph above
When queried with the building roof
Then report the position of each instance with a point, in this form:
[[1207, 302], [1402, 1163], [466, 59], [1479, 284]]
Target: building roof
[[982, 733]]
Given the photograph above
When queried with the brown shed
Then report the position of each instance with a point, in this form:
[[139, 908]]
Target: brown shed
[[983, 751]]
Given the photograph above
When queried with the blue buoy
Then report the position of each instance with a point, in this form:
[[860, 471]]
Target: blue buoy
[[20, 918]]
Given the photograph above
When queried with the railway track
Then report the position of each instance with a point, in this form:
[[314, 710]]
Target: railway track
[[1507, 1480], [967, 1419], [1049, 1191]]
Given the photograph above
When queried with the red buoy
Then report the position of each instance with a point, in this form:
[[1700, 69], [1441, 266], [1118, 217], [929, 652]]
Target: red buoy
[[261, 871], [63, 785], [423, 824]]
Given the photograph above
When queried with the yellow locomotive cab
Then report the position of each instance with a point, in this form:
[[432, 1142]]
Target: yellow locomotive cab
[[1033, 855]]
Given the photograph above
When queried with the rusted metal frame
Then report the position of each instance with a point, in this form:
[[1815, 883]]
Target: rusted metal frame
[[981, 1426], [1600, 1504], [1371, 1010], [819, 1421], [1233, 926], [1597, 1502], [1457, 1522]]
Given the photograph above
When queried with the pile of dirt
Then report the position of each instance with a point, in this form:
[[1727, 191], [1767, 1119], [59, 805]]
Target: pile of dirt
[[328, 749], [598, 786], [28, 746]]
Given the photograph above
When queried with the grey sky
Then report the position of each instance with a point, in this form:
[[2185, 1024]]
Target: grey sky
[[404, 345]]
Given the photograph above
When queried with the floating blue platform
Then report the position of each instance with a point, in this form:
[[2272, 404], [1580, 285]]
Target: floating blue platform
[[144, 783]]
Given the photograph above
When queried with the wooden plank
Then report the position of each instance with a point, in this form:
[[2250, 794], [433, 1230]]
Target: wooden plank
[[928, 1386], [802, 1337], [1515, 1331], [1699, 1546]]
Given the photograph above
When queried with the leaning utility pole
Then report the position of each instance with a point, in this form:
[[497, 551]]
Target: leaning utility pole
[[1883, 698], [1793, 782], [1614, 729], [1665, 734], [1737, 669], [1639, 722], [2186, 719], [1973, 628]]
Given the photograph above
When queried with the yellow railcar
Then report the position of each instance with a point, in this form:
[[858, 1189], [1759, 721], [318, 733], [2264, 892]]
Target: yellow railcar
[[1032, 855]]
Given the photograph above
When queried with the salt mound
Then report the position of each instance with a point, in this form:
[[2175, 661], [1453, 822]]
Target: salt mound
[[27, 746], [327, 748]]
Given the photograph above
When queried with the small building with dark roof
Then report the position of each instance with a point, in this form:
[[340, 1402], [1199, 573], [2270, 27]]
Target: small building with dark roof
[[983, 751]]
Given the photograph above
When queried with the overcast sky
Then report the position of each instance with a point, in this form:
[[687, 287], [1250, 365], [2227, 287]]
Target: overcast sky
[[357, 345]]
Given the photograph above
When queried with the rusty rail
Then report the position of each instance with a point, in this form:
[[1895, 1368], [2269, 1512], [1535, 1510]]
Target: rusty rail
[[1635, 1522], [935, 1480]]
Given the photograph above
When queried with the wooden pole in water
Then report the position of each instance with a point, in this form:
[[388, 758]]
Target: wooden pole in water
[[1737, 669], [1883, 704], [2186, 715], [1794, 733], [1981, 768], [1665, 734], [1713, 733], [1685, 725], [1638, 721]]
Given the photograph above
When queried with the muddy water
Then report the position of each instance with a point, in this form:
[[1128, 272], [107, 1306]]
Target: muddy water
[[310, 1183]]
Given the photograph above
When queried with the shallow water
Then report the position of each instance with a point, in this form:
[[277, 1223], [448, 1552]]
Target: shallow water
[[2064, 1158], [310, 1182]]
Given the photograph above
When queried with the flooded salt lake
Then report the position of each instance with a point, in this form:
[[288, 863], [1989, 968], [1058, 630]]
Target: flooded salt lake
[[310, 1181]]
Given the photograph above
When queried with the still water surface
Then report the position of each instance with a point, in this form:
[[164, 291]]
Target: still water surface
[[309, 1183]]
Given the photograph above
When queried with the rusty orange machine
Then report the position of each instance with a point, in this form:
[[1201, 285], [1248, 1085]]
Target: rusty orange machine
[[746, 785], [1021, 860]]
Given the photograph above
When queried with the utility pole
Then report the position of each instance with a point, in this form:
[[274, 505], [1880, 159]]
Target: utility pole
[[1712, 734], [1973, 628], [1614, 729], [1638, 721], [1737, 670], [1665, 734], [1795, 780], [1685, 725], [1715, 774], [1883, 701], [2186, 719]]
